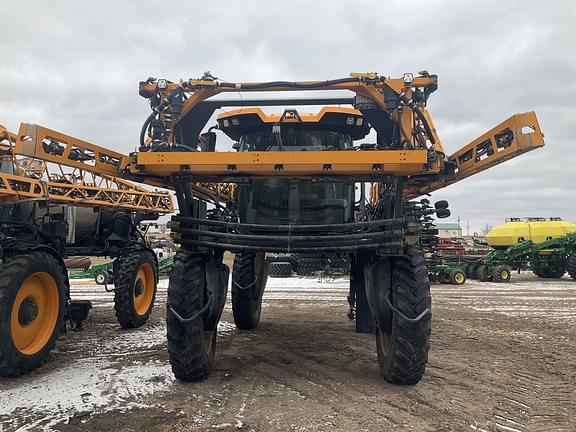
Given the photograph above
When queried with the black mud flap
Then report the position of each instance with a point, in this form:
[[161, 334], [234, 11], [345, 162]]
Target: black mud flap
[[363, 313], [217, 286], [378, 283]]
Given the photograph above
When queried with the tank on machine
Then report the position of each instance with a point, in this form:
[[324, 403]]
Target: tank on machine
[[538, 230]]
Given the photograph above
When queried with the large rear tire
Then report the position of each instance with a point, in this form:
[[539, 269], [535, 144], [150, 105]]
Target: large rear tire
[[403, 346], [191, 347], [135, 281], [549, 273], [249, 276], [280, 269], [472, 271], [308, 265], [33, 291], [484, 274]]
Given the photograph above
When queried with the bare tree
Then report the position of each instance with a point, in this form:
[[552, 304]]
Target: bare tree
[[485, 229]]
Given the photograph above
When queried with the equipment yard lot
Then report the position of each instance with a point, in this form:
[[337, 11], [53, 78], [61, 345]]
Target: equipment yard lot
[[502, 359]]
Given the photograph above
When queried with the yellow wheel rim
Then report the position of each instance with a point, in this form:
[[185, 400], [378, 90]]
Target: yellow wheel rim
[[459, 278], [504, 275], [35, 313], [144, 289]]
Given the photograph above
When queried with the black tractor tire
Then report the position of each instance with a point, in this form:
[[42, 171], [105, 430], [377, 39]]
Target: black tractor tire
[[291, 258], [442, 204], [502, 273], [549, 273], [443, 213], [24, 279], [276, 258], [135, 285], [571, 265], [443, 278], [457, 277], [305, 269], [191, 347], [403, 348], [280, 269], [472, 271], [249, 276], [483, 273], [308, 265]]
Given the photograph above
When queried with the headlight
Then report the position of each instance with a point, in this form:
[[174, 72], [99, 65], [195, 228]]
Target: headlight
[[162, 84]]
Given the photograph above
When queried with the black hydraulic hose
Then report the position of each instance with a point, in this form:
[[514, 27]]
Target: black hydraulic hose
[[290, 228], [144, 129], [425, 123], [235, 247], [293, 238], [291, 244], [293, 84], [155, 110], [420, 116]]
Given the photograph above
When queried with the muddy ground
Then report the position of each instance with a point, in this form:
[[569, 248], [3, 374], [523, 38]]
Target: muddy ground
[[502, 358]]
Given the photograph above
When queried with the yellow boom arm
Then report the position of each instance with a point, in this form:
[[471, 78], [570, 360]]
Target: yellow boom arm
[[24, 177], [514, 136], [48, 145]]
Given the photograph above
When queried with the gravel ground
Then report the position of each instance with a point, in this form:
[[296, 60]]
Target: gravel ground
[[502, 359]]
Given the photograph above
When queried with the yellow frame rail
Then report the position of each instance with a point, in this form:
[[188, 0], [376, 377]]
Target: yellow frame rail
[[284, 163]]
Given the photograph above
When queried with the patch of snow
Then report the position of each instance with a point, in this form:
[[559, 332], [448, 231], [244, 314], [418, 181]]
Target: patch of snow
[[93, 384], [88, 387]]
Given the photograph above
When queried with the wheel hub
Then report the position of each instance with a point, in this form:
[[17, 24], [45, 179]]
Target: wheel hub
[[138, 288], [27, 312]]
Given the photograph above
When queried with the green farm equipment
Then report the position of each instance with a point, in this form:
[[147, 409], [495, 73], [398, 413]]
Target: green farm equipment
[[440, 269], [549, 259], [165, 266], [101, 273], [444, 270]]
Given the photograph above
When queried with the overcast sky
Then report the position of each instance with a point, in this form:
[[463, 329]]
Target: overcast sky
[[75, 66]]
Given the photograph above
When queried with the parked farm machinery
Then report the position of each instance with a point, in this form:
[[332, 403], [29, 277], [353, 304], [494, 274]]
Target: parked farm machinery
[[289, 188], [549, 259], [103, 274], [49, 212], [440, 268]]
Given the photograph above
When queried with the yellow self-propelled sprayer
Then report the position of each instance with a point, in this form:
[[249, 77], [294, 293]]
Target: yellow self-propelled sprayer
[[289, 187]]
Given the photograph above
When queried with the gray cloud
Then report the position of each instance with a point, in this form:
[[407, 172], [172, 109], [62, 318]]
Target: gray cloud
[[75, 66]]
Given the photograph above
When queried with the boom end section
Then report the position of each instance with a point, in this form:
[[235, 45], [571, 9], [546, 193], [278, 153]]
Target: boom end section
[[516, 135]]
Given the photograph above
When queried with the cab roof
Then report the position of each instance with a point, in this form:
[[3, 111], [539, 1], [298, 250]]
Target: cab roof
[[243, 121]]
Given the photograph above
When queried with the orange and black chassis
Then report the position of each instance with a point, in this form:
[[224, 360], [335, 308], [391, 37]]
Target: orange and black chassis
[[407, 160]]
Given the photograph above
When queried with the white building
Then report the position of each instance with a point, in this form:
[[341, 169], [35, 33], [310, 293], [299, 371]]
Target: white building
[[449, 230]]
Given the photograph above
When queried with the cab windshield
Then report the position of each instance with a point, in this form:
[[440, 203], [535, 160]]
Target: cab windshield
[[295, 139]]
